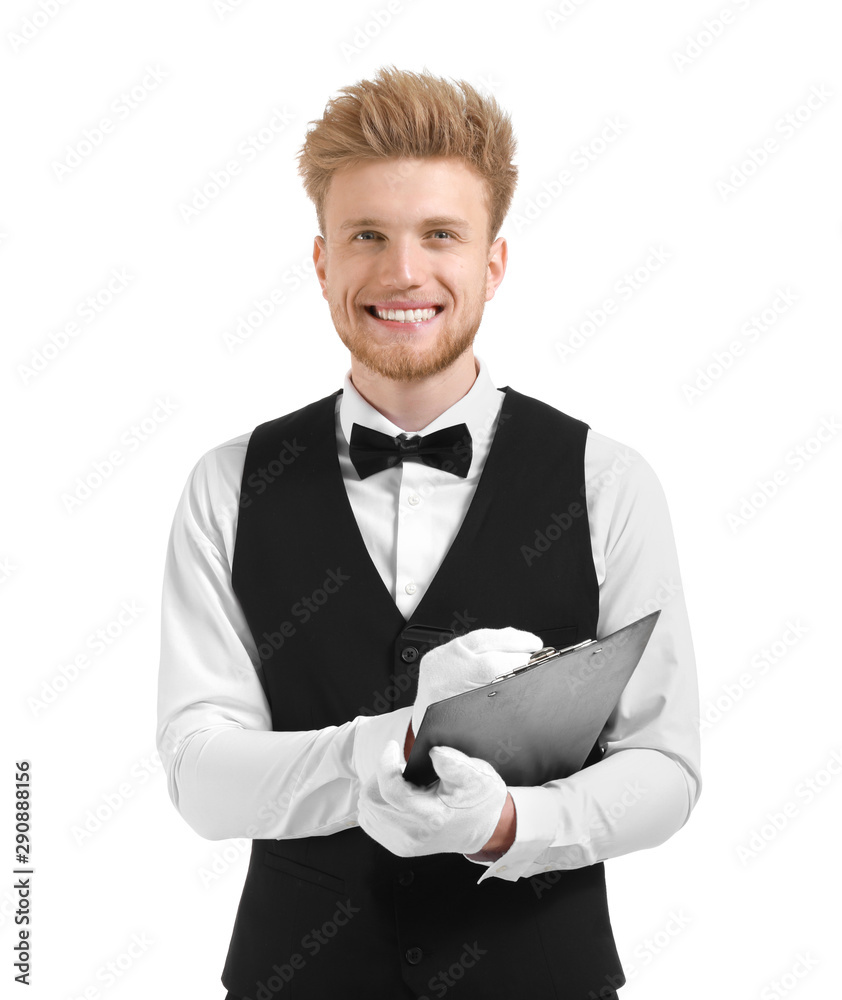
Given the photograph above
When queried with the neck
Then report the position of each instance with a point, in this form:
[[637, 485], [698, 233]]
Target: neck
[[413, 405]]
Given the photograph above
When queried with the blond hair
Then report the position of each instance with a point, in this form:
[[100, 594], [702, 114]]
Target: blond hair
[[415, 115]]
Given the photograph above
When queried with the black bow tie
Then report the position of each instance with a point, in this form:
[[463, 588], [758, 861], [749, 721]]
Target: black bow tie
[[449, 449]]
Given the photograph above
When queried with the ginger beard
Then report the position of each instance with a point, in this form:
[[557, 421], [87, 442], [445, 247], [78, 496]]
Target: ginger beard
[[409, 357]]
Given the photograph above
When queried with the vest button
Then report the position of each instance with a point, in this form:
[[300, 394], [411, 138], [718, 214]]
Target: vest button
[[406, 878], [414, 955], [409, 655]]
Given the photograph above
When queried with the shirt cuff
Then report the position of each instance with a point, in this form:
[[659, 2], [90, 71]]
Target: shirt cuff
[[373, 733], [537, 812]]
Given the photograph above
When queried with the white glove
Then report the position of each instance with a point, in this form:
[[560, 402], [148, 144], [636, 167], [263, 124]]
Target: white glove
[[457, 814], [468, 662]]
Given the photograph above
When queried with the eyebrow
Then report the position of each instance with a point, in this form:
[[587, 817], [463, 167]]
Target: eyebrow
[[435, 221]]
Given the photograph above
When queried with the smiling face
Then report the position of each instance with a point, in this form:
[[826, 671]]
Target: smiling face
[[406, 266]]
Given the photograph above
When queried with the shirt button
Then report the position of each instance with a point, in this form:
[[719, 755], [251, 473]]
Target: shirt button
[[406, 878], [502, 868], [410, 654], [410, 588], [414, 955], [413, 499]]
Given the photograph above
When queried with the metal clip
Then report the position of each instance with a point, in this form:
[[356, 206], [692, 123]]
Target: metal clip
[[541, 656]]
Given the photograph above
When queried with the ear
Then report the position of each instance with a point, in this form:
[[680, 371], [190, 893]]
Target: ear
[[498, 255], [320, 262]]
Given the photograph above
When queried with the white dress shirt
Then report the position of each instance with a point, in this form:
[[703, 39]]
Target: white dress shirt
[[230, 775]]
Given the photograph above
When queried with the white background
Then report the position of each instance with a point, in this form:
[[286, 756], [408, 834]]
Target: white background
[[705, 915]]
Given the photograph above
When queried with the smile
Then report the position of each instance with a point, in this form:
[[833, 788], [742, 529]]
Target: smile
[[404, 315]]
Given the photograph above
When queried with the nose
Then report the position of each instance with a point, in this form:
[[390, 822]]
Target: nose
[[403, 264]]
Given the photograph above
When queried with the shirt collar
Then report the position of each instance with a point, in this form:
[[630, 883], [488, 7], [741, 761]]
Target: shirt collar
[[478, 408]]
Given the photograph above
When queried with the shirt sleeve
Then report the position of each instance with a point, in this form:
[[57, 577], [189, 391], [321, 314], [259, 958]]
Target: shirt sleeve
[[649, 779], [228, 773]]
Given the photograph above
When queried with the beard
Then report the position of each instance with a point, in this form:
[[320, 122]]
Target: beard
[[400, 358]]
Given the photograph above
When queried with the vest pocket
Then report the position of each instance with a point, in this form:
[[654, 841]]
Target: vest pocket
[[302, 872]]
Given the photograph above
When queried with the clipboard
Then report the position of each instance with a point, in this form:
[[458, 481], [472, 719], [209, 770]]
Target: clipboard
[[540, 721]]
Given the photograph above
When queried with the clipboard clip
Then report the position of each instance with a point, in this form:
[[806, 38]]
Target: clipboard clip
[[541, 656]]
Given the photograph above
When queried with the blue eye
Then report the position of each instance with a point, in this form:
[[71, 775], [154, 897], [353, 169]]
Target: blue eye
[[369, 233]]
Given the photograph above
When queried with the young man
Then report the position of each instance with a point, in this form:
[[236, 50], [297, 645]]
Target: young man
[[332, 573]]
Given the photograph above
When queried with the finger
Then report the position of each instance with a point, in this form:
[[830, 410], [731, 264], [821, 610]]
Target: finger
[[509, 639], [394, 790], [389, 765]]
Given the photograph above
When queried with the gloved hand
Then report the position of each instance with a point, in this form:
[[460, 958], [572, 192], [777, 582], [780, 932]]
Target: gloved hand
[[456, 814], [468, 662]]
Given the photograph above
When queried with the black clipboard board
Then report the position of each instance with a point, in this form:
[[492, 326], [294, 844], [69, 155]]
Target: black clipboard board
[[540, 721]]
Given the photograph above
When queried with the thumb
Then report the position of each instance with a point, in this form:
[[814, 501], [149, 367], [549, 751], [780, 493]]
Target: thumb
[[456, 769]]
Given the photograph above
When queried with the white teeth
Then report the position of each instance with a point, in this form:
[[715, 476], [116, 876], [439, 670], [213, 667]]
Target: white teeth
[[406, 315]]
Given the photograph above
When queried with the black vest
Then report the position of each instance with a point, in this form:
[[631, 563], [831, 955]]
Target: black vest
[[338, 915]]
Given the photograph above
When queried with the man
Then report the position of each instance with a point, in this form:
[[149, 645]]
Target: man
[[410, 536]]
